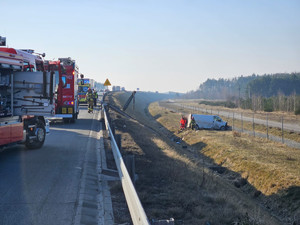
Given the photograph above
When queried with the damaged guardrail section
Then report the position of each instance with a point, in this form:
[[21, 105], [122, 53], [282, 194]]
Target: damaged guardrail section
[[136, 209]]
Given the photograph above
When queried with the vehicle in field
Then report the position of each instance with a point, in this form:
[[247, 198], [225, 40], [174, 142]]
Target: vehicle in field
[[66, 96], [83, 85], [26, 97], [208, 122]]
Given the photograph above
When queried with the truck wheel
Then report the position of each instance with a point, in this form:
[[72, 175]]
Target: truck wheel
[[222, 128], [40, 138], [74, 118]]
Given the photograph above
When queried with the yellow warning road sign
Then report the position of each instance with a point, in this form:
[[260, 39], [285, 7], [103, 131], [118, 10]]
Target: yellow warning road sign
[[107, 83]]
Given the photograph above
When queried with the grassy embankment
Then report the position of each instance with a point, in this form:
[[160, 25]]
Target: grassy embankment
[[270, 167], [174, 181]]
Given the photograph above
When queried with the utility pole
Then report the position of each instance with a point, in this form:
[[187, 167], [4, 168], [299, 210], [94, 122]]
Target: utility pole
[[239, 96]]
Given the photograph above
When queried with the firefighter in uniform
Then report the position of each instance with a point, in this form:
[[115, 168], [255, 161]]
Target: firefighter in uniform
[[90, 100], [193, 123], [95, 96]]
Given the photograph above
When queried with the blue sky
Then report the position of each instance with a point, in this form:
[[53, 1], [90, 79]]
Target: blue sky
[[160, 45]]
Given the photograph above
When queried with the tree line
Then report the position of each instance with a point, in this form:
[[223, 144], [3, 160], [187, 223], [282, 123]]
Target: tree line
[[268, 92]]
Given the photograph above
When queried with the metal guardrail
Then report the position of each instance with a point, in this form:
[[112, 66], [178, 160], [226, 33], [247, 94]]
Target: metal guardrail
[[136, 209]]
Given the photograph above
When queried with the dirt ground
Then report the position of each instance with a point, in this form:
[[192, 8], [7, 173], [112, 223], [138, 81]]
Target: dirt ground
[[176, 181]]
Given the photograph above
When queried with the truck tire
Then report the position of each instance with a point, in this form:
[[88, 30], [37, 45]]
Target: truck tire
[[222, 128], [74, 118], [39, 141]]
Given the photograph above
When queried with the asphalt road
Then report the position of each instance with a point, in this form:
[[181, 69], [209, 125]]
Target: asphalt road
[[41, 187]]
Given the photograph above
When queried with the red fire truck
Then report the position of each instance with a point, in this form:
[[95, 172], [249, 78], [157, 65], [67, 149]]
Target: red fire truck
[[66, 98], [26, 96]]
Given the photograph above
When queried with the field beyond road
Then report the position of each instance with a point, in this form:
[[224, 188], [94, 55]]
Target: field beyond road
[[220, 177]]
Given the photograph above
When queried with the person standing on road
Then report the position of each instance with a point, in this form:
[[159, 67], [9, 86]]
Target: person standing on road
[[90, 100]]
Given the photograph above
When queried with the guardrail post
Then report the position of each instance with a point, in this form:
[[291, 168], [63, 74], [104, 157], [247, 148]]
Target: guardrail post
[[112, 127], [118, 140], [129, 161]]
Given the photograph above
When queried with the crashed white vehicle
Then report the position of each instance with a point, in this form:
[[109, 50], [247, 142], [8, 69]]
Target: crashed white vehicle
[[208, 122]]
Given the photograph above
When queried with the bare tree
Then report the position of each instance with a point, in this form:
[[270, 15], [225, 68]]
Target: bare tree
[[281, 101]]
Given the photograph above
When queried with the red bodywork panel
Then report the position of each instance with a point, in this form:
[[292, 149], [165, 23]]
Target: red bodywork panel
[[5, 135], [8, 50], [11, 133], [17, 132]]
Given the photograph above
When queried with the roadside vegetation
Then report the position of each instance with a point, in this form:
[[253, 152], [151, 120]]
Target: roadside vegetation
[[207, 176], [274, 116], [268, 92], [270, 167]]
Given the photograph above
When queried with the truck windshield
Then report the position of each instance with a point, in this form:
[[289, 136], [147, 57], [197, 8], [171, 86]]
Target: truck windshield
[[218, 119], [28, 67], [82, 89], [64, 81]]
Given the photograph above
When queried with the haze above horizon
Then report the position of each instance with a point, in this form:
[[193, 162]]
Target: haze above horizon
[[160, 45]]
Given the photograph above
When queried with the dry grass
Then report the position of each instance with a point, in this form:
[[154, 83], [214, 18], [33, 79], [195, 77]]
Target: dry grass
[[273, 169], [176, 182], [269, 167], [291, 135]]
